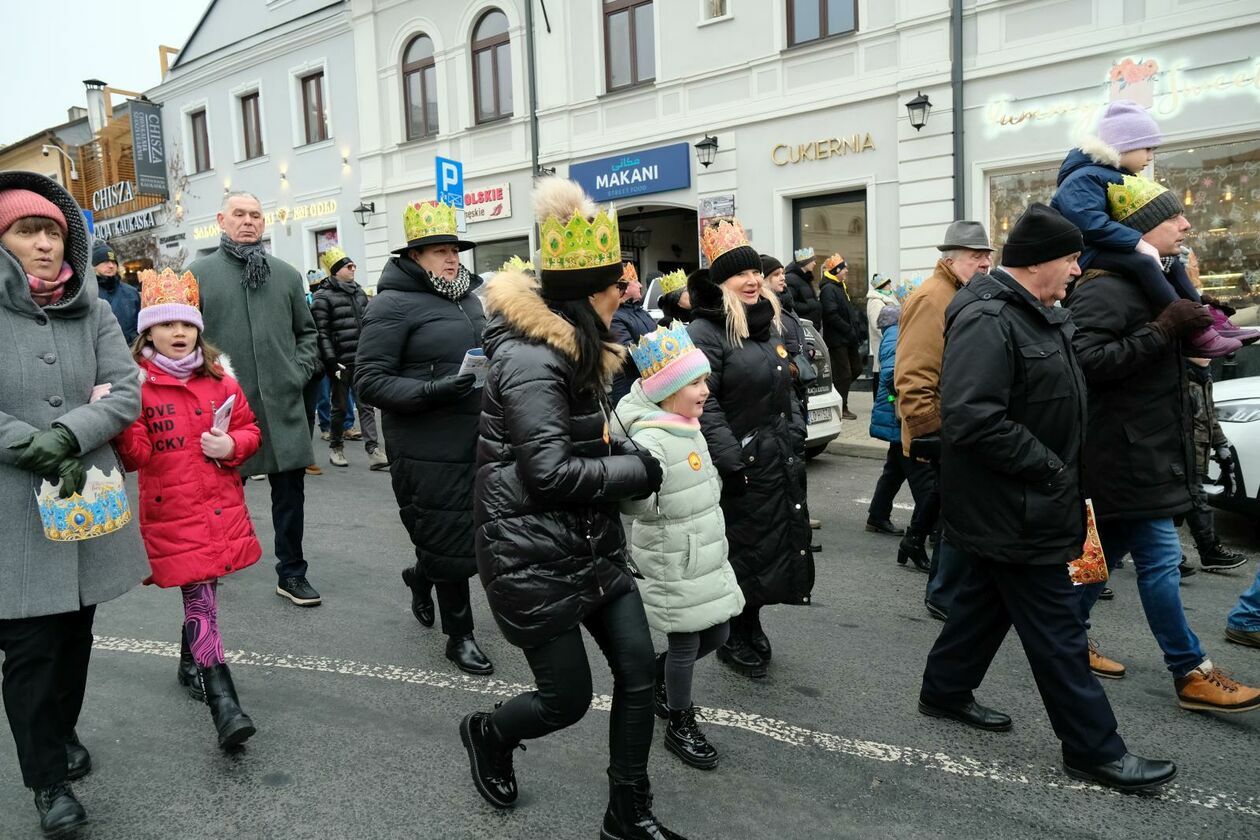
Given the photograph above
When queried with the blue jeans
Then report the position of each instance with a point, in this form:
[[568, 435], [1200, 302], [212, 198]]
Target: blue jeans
[[1156, 551], [1246, 613], [323, 406]]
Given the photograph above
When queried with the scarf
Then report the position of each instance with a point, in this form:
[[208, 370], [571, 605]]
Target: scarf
[[182, 369], [48, 292], [456, 289], [254, 255], [670, 422], [760, 317]]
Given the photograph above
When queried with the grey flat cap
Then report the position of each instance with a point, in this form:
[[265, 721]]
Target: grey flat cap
[[964, 234]]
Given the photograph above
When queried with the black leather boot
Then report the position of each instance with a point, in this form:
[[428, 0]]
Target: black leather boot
[[659, 699], [756, 636], [233, 725], [463, 651], [629, 815], [911, 548], [421, 595], [187, 675], [490, 759], [59, 811], [78, 759], [684, 739], [741, 658]]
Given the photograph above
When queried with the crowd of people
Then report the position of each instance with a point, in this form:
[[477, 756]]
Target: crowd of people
[[598, 468]]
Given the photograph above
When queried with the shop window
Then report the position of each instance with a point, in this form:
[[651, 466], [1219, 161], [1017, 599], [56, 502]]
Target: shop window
[[629, 43], [420, 88], [490, 256], [199, 131], [713, 9], [835, 224], [811, 20], [1010, 195], [314, 114], [492, 67], [251, 127]]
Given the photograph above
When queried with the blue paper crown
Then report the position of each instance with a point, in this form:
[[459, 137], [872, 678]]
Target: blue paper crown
[[101, 509], [657, 349]]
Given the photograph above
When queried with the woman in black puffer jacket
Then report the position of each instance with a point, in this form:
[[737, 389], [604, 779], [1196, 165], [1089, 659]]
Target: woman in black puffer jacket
[[755, 429], [422, 321], [550, 545]]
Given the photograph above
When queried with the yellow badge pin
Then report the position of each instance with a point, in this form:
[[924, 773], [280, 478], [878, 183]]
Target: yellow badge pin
[[694, 460]]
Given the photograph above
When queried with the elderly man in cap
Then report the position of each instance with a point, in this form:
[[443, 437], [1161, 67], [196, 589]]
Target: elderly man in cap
[[1013, 430], [124, 300], [800, 282], [965, 253]]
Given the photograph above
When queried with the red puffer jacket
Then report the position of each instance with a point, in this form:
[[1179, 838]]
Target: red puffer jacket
[[193, 517]]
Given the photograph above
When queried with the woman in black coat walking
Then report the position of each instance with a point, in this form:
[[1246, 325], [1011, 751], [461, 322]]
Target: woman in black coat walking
[[755, 429], [415, 334], [550, 546]]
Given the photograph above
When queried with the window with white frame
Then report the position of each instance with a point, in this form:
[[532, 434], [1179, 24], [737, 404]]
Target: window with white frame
[[314, 110], [251, 125], [629, 43], [198, 141]]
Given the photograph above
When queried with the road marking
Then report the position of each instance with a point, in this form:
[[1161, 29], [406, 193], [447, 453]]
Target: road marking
[[897, 505], [777, 730]]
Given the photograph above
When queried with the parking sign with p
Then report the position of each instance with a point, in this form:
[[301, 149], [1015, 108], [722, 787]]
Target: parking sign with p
[[450, 188]]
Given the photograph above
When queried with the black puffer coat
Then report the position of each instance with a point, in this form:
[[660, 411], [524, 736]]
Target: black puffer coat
[[338, 315], [412, 335], [755, 430], [840, 329], [550, 546], [804, 298]]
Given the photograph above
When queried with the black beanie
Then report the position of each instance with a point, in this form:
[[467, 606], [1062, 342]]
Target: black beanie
[[704, 293], [1154, 213], [739, 258], [578, 283], [101, 252], [338, 265], [1040, 235], [769, 265]]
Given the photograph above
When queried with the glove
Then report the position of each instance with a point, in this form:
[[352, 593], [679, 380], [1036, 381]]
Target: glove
[[217, 445], [655, 475], [43, 452], [73, 477], [734, 485], [333, 371], [1224, 455], [450, 387], [1181, 318], [926, 449]]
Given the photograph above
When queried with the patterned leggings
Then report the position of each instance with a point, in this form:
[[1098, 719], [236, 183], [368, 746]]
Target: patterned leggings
[[201, 623]]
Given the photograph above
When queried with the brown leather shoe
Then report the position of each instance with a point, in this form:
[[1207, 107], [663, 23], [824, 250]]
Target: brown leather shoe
[[314, 469], [1250, 638], [1103, 667], [1209, 689]]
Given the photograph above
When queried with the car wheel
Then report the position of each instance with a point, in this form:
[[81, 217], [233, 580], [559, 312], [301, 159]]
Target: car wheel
[[812, 452]]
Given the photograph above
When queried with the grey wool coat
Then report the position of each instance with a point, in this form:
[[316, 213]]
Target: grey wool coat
[[270, 337], [52, 358]]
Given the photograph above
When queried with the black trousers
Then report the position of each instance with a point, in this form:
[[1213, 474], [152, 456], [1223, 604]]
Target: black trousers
[[846, 366], [1042, 604], [452, 602], [288, 518], [563, 676], [44, 677], [922, 479], [1200, 518]]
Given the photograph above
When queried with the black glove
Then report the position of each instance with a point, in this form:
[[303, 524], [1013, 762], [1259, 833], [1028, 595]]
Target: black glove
[[926, 449], [452, 387], [655, 475], [43, 452], [1224, 455], [333, 371], [73, 477], [1182, 318]]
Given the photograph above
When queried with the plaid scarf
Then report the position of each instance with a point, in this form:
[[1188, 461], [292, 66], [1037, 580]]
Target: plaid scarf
[[48, 292], [254, 255]]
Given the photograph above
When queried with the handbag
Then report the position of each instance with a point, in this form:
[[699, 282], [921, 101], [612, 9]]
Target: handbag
[[1091, 566], [805, 370]]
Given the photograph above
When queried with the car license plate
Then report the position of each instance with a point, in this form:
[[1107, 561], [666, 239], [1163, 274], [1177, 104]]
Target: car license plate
[[820, 415]]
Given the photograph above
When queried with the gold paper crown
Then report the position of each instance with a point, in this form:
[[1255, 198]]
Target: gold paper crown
[[1131, 195], [578, 243], [629, 273], [517, 264], [330, 258], [100, 509], [831, 262], [673, 281], [722, 235], [168, 287], [428, 218]]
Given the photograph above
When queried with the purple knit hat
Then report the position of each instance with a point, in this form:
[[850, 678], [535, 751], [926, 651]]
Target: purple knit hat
[[667, 360], [1126, 126]]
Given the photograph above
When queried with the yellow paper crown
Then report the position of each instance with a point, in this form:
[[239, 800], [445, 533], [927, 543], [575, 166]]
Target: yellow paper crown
[[428, 218], [330, 258], [673, 281], [518, 264], [168, 287], [722, 235], [1131, 195], [578, 243]]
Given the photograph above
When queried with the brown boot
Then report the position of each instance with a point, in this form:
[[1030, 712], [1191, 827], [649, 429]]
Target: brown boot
[[1209, 689], [1103, 667]]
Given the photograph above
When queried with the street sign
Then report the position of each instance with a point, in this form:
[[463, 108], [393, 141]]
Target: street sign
[[91, 221], [450, 188]]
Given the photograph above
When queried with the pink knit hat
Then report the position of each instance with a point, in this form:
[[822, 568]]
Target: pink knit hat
[[18, 204], [1126, 126], [667, 360]]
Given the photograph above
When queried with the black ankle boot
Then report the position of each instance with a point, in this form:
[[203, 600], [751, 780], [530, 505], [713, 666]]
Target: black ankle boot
[[629, 815], [187, 675], [684, 739], [741, 658], [467, 656], [490, 759], [660, 706], [421, 595], [59, 811], [233, 725], [911, 548], [78, 759], [756, 637]]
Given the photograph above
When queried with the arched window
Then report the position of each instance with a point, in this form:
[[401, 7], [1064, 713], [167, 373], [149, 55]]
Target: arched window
[[492, 67], [420, 88]]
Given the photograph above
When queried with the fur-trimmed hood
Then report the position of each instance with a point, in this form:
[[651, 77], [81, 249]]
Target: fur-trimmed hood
[[1098, 151], [515, 308]]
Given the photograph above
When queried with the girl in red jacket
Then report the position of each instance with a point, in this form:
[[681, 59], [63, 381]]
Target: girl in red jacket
[[193, 518]]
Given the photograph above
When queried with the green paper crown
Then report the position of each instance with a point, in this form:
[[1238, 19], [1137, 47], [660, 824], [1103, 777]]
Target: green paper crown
[[673, 281], [428, 218], [1131, 195], [579, 244]]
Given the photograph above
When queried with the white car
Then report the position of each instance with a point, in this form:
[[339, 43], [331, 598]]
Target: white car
[[1238, 411]]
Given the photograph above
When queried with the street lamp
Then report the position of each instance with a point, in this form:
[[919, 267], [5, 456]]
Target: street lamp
[[919, 108], [640, 238], [363, 213], [706, 150], [49, 148]]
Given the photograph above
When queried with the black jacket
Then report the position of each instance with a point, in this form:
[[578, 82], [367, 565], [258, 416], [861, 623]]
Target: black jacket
[[338, 317], [1012, 426], [755, 430], [1139, 451], [840, 328], [630, 322], [411, 337], [793, 339], [804, 297], [550, 474]]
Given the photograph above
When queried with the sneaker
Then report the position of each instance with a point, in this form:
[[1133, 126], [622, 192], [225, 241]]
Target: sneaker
[[848, 415], [1103, 667], [262, 477], [815, 524], [1250, 638], [337, 457], [313, 469], [59, 810], [352, 434], [1218, 558], [377, 460], [1209, 689], [325, 435], [299, 591], [1106, 594]]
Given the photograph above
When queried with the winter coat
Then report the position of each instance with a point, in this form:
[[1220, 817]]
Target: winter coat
[[1208, 434], [53, 357], [270, 336], [124, 301], [678, 536], [193, 516], [411, 335], [550, 475], [1139, 451], [1082, 199], [338, 316], [875, 301], [884, 422], [630, 323], [804, 298], [1013, 426], [920, 348], [755, 429], [840, 329]]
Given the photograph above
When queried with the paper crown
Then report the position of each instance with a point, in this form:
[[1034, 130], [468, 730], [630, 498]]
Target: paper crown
[[673, 281], [1131, 195], [722, 235], [100, 509], [667, 360], [428, 218], [832, 262], [518, 264], [329, 259], [168, 287], [576, 243], [629, 273], [803, 254]]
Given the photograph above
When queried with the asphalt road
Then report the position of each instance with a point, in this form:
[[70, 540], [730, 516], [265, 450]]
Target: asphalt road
[[357, 712]]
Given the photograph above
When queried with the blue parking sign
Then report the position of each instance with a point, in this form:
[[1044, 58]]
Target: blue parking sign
[[450, 187]]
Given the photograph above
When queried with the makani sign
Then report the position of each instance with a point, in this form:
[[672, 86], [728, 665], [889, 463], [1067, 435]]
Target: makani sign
[[638, 173]]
